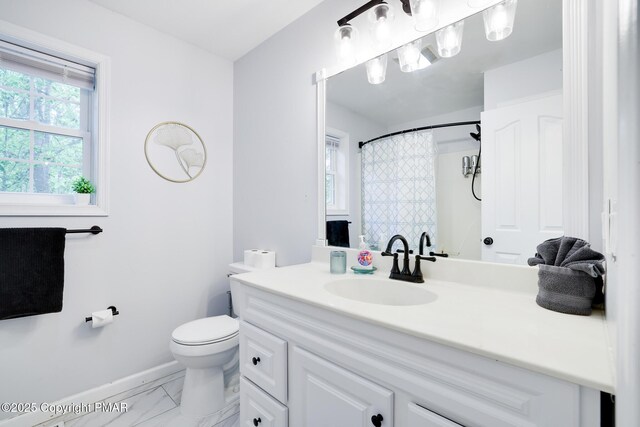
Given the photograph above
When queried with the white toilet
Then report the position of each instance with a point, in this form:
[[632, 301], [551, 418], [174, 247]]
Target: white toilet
[[208, 348]]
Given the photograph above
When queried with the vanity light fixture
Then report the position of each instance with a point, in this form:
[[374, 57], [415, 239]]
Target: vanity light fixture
[[377, 69], [346, 39], [380, 17], [498, 23], [425, 14], [498, 20], [449, 39]]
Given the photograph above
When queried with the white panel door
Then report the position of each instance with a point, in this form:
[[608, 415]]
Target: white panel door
[[323, 394], [522, 178]]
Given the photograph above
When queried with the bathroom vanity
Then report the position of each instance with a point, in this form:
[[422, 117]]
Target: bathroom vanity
[[468, 347]]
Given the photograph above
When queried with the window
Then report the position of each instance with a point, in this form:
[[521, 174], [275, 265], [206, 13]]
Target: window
[[336, 172], [52, 112]]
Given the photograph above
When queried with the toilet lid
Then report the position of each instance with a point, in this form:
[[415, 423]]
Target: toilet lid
[[206, 331]]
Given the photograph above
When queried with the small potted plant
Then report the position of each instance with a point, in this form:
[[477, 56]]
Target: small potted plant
[[83, 189]]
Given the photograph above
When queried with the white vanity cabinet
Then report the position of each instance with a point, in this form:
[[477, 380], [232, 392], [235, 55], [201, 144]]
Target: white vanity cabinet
[[344, 372]]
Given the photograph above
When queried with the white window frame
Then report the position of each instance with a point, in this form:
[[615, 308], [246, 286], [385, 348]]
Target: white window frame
[[341, 176], [23, 204]]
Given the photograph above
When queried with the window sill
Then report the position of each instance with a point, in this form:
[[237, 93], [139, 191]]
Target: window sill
[[51, 210], [46, 205]]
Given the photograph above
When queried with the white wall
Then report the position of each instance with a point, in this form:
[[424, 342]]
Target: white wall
[[163, 256], [459, 220], [359, 129], [275, 159], [533, 76]]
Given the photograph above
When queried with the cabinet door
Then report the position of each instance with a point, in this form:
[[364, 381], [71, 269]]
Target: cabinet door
[[323, 394], [421, 417]]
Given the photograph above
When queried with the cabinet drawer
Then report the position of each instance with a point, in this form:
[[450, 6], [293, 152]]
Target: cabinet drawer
[[263, 360], [421, 417], [259, 409]]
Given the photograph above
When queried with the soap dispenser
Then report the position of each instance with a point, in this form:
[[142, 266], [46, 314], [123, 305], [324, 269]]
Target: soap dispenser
[[365, 257]]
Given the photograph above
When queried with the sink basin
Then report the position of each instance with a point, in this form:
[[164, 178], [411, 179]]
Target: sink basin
[[381, 291]]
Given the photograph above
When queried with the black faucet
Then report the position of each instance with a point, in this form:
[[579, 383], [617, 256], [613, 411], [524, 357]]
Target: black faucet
[[424, 238], [405, 274]]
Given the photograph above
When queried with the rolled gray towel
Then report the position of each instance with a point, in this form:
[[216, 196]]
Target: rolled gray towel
[[565, 290], [547, 252], [587, 260], [568, 247], [569, 252]]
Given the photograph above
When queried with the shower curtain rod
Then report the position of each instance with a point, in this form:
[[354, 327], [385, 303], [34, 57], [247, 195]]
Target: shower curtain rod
[[400, 132]]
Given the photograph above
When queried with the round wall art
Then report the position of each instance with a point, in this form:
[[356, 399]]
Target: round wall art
[[175, 152]]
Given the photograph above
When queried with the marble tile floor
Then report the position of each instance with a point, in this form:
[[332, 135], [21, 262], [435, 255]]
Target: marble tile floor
[[155, 404]]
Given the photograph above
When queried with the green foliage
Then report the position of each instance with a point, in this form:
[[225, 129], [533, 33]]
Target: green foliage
[[33, 161], [83, 186]]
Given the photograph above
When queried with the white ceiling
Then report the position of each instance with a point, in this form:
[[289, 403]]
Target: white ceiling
[[228, 29], [450, 84]]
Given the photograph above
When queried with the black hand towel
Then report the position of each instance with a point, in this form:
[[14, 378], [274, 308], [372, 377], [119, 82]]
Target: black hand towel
[[338, 233], [31, 271]]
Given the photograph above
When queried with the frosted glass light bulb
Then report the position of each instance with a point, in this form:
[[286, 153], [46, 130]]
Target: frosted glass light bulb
[[377, 69], [380, 18], [498, 20], [449, 40], [425, 13], [345, 39], [409, 56]]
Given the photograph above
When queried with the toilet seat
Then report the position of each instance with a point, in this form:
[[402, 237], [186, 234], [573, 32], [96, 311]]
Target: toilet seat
[[203, 332]]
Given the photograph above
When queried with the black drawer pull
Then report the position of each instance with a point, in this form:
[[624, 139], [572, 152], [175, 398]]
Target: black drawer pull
[[255, 361], [376, 420], [256, 421]]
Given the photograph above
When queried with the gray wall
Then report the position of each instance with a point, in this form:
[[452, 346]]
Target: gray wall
[[275, 160]]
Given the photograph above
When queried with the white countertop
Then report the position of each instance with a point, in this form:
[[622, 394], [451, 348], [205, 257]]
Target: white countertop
[[500, 322]]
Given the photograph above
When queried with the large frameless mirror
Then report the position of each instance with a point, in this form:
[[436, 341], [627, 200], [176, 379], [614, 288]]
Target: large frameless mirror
[[399, 161]]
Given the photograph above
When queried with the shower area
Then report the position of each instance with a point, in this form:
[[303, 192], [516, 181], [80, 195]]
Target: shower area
[[408, 187], [399, 188]]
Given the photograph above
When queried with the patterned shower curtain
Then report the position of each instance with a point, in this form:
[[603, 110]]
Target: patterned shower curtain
[[399, 188]]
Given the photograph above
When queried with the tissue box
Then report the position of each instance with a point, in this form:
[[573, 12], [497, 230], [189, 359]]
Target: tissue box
[[565, 290]]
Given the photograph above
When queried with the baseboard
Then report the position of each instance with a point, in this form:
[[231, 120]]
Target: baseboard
[[97, 394]]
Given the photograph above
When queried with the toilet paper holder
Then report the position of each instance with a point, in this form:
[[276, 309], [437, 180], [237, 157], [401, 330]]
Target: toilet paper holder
[[113, 309]]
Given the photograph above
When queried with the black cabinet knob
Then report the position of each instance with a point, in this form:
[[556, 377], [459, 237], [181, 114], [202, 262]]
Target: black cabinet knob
[[488, 241], [255, 361], [256, 421], [376, 420]]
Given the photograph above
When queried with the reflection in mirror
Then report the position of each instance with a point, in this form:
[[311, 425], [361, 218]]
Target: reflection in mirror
[[491, 192]]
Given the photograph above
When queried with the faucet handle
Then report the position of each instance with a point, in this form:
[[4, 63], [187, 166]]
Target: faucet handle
[[417, 272], [394, 269]]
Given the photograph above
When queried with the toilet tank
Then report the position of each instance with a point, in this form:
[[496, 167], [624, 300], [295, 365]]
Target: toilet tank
[[236, 268]]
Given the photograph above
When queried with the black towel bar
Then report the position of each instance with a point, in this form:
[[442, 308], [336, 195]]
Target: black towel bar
[[93, 230]]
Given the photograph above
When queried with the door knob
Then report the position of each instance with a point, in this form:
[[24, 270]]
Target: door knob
[[255, 360], [376, 420], [488, 241], [256, 421]]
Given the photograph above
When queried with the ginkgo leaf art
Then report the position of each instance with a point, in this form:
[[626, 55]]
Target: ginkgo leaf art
[[188, 154]]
